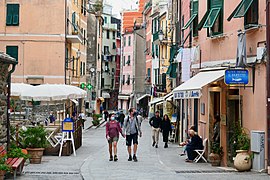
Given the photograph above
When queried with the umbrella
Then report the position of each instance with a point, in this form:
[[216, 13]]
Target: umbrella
[[18, 88], [53, 92]]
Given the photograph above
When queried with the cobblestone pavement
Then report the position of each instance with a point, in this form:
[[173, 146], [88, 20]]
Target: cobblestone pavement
[[91, 163]]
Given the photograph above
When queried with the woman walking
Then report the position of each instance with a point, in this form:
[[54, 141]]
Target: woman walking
[[166, 128], [112, 134]]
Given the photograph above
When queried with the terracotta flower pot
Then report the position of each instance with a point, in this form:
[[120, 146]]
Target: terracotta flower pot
[[214, 159], [2, 174], [242, 161], [35, 155]]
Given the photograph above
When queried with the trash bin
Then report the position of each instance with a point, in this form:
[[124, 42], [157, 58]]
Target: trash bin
[[257, 147]]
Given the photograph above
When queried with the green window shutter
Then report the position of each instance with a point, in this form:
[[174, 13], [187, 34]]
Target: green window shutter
[[173, 52], [153, 50], [195, 7], [190, 21], [157, 50], [212, 17], [169, 69], [243, 8], [12, 51], [9, 14], [216, 4], [200, 25], [234, 11], [73, 18], [16, 12], [173, 73]]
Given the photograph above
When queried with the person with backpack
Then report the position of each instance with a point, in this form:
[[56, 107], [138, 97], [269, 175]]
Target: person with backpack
[[132, 129], [112, 134]]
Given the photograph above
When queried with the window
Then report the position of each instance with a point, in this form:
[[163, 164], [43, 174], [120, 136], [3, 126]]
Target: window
[[124, 41], [106, 66], [105, 20], [247, 9], [157, 53], [108, 34], [124, 60], [73, 66], [114, 45], [129, 40], [213, 18], [128, 80], [113, 34], [123, 82], [112, 85], [148, 74], [12, 51], [106, 50], [84, 37], [128, 61], [98, 52], [13, 17]]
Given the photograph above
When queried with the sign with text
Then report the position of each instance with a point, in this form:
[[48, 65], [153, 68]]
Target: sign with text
[[236, 77], [190, 94], [68, 125]]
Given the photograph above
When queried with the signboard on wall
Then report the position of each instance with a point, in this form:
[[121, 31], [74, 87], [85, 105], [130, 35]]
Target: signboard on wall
[[190, 94], [236, 77]]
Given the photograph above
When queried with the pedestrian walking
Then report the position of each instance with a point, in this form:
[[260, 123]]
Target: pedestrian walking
[[105, 115], [132, 129], [166, 129], [112, 134], [155, 123], [121, 118]]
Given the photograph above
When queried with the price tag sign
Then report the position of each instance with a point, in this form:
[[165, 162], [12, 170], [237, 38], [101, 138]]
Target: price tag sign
[[68, 125]]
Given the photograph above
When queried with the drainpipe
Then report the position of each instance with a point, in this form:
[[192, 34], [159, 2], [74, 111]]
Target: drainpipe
[[268, 77], [8, 104]]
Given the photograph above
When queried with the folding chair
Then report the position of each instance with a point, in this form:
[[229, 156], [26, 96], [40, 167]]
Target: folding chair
[[201, 152]]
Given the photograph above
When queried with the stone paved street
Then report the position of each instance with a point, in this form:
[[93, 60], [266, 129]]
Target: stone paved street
[[92, 163]]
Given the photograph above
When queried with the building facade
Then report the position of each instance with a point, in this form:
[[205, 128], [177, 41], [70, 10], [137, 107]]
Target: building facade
[[40, 44]]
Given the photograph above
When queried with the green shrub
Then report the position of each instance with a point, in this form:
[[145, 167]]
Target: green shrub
[[34, 137]]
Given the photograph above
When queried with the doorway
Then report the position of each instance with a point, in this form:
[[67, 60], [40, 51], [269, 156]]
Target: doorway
[[234, 120], [214, 110], [196, 114]]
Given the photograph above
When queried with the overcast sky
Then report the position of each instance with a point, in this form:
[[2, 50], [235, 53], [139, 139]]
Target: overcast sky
[[119, 5]]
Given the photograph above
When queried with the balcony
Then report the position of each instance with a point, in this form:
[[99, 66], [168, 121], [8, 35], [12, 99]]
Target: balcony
[[75, 37], [110, 26]]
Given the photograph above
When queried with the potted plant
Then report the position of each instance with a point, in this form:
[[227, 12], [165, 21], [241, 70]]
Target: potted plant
[[3, 167], [96, 121], [242, 161], [34, 140], [216, 154]]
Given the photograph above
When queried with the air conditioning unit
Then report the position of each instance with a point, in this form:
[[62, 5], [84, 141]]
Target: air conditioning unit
[[260, 53]]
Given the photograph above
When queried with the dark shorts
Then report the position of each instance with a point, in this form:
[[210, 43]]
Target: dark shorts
[[130, 138]]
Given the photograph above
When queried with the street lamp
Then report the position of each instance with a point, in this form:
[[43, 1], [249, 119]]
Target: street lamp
[[161, 35], [78, 54]]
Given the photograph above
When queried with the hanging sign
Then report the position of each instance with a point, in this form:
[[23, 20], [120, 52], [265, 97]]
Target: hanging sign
[[236, 77], [68, 125], [190, 94]]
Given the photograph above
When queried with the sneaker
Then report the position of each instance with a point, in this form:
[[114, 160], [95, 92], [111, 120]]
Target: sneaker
[[115, 158], [153, 144], [111, 158], [129, 158], [135, 158], [156, 146]]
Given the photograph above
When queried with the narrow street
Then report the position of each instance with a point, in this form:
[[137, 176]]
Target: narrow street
[[91, 163]]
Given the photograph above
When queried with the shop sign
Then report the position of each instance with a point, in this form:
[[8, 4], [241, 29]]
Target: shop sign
[[236, 76], [68, 125], [187, 94]]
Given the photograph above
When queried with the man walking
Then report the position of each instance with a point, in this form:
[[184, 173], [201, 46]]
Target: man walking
[[155, 122], [132, 129]]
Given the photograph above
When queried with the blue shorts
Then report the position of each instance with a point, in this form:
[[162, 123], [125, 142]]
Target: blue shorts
[[130, 138]]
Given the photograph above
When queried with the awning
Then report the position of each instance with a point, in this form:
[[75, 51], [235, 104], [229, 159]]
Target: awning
[[75, 102], [140, 98], [156, 100], [106, 95], [192, 87], [160, 103], [123, 97], [168, 97]]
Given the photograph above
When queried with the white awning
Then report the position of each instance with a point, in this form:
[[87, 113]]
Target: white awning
[[156, 100], [170, 98], [168, 95], [192, 87], [106, 95], [140, 98], [123, 97], [75, 102], [160, 103]]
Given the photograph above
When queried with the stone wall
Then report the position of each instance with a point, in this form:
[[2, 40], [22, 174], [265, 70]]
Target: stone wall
[[3, 101]]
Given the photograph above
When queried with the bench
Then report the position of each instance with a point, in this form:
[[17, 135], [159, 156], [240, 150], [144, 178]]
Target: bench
[[15, 163]]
